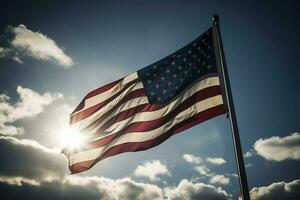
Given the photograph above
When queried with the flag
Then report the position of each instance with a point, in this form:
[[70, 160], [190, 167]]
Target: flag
[[147, 107]]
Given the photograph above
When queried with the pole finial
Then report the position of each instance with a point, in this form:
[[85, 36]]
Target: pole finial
[[215, 18]]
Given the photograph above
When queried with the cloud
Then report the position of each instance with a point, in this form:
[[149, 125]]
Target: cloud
[[28, 160], [152, 169], [30, 104], [279, 148], [214, 178], [219, 179], [203, 170], [277, 191], [2, 50], [34, 44], [32, 171], [78, 187], [216, 161], [248, 165], [192, 191], [249, 153], [192, 159]]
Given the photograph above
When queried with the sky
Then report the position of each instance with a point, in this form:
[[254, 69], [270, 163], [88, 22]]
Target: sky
[[52, 53]]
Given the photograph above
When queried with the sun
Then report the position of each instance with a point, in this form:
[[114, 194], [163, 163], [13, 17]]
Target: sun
[[71, 138]]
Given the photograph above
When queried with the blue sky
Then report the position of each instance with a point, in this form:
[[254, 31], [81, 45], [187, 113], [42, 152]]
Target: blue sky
[[52, 53]]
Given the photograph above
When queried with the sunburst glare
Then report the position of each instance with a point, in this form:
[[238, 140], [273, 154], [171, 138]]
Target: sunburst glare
[[71, 138]]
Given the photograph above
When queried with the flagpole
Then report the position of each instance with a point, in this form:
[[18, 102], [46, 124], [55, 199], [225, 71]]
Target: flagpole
[[230, 108]]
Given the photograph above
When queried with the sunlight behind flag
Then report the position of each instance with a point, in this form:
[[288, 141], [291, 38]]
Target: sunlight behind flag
[[72, 138]]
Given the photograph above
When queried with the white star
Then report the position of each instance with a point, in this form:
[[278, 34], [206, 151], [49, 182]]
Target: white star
[[169, 83], [164, 91], [162, 78], [174, 75], [168, 71], [194, 44], [179, 67], [154, 66], [157, 86], [190, 51], [184, 59], [149, 81], [173, 63]]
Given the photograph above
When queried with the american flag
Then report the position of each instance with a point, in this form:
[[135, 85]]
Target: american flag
[[147, 107]]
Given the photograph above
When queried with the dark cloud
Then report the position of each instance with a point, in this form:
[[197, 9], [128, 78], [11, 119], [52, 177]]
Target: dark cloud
[[76, 187], [32, 171], [30, 160], [277, 191]]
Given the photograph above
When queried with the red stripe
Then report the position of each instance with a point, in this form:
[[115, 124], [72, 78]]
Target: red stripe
[[153, 124], [89, 111], [140, 146], [102, 89]]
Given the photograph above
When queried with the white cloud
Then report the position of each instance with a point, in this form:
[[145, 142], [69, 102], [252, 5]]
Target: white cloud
[[191, 191], [248, 165], [219, 179], [35, 45], [152, 169], [17, 59], [214, 178], [192, 159], [249, 153], [203, 170], [2, 52], [277, 191], [125, 188], [279, 148], [216, 161], [30, 104]]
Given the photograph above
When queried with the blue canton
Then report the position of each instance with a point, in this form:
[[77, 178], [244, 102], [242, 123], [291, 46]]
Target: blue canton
[[168, 77]]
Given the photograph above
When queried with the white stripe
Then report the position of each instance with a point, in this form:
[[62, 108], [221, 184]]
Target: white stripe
[[89, 102], [143, 116], [149, 135]]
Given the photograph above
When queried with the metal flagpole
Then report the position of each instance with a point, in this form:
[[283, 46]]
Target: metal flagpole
[[230, 108]]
